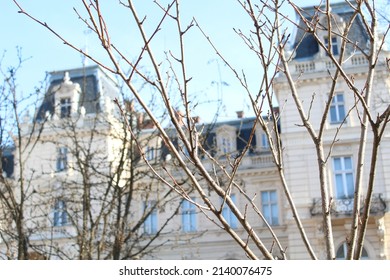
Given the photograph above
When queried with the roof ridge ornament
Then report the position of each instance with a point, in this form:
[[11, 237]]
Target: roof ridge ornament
[[66, 79]]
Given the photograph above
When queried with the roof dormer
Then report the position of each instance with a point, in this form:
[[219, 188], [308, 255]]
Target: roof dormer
[[331, 40], [226, 139], [305, 45], [66, 96]]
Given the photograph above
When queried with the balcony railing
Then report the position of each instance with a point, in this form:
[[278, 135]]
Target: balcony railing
[[258, 161], [324, 64], [264, 160], [345, 206]]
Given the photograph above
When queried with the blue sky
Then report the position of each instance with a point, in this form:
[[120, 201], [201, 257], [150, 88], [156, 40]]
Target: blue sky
[[211, 77]]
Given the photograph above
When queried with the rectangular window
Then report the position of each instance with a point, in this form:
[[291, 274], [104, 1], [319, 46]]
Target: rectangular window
[[264, 141], [65, 106], [188, 216], [226, 145], [149, 153], [60, 214], [150, 223], [269, 206], [335, 49], [62, 159], [228, 214], [343, 177], [337, 109]]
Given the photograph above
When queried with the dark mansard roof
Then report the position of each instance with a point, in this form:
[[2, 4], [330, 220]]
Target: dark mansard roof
[[94, 84], [307, 46], [243, 129]]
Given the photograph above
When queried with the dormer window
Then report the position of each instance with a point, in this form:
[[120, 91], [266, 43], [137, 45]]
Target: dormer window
[[226, 146], [150, 153], [334, 46], [264, 141], [65, 107], [332, 37], [67, 96], [226, 139]]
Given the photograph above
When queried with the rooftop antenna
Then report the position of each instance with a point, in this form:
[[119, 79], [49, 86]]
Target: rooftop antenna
[[84, 57]]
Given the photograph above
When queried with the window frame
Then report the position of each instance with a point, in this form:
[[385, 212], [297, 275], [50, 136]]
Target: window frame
[[60, 214], [343, 172], [65, 107], [268, 204], [62, 159], [264, 142], [338, 107], [228, 214], [335, 45], [226, 144], [151, 221], [150, 153], [188, 216], [226, 139]]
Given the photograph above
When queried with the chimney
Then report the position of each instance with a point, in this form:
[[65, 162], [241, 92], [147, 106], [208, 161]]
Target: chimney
[[144, 121], [179, 117], [140, 120], [240, 114], [129, 105], [196, 119], [147, 124]]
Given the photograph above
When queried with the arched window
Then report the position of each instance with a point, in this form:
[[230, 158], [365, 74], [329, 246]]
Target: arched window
[[342, 251]]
